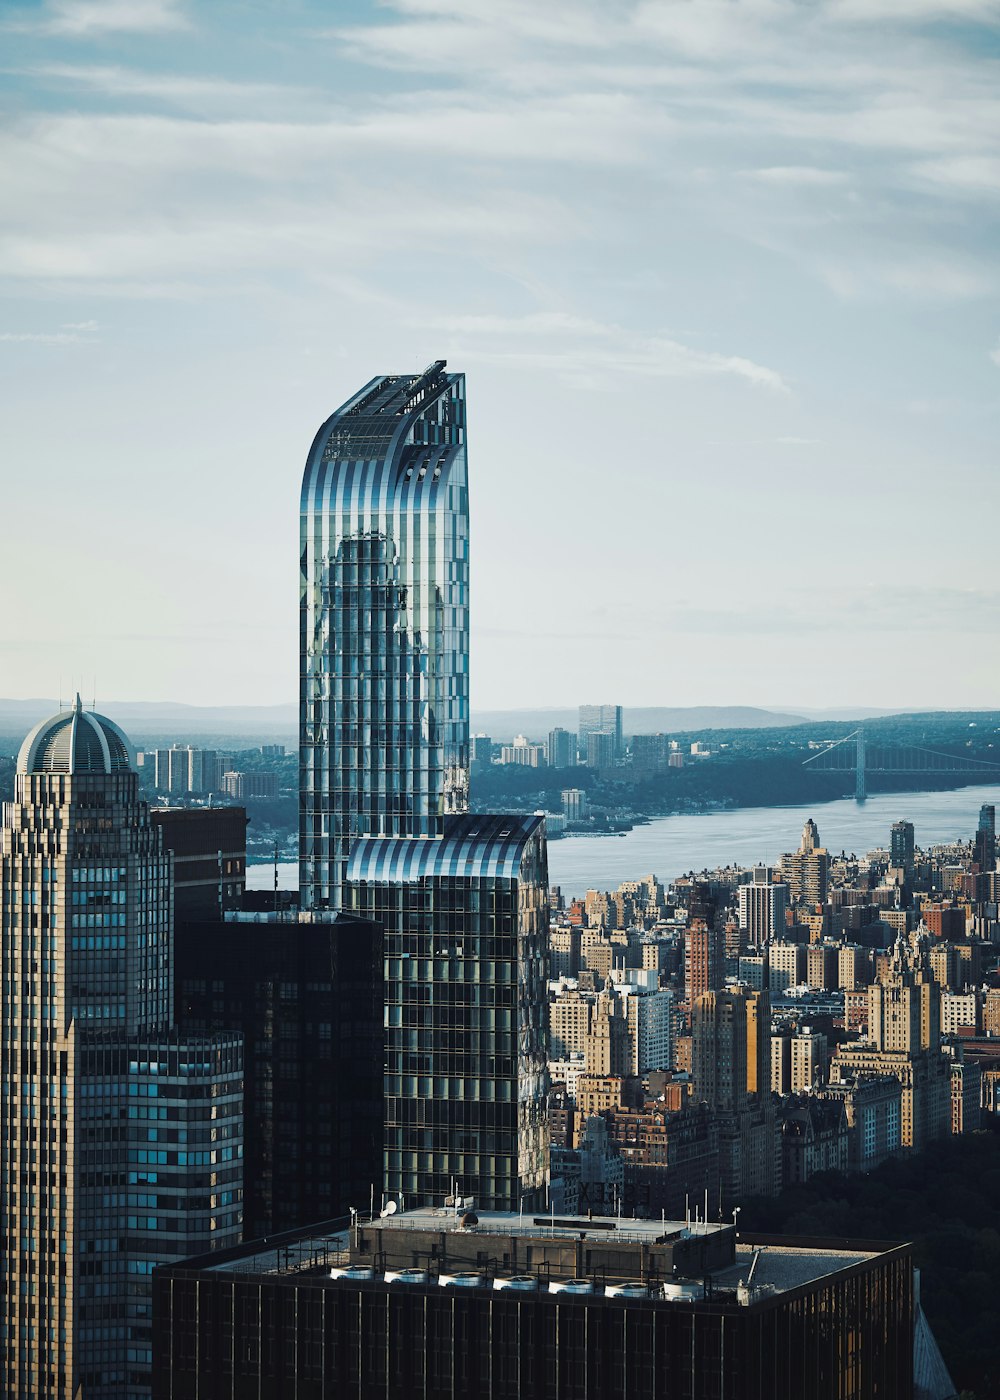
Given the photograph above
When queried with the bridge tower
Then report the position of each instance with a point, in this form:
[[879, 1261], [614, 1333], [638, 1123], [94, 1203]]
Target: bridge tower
[[860, 792]]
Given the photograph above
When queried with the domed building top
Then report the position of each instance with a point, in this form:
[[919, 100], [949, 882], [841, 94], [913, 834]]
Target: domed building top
[[75, 741]]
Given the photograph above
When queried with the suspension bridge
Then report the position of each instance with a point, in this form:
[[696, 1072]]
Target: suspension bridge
[[853, 753]]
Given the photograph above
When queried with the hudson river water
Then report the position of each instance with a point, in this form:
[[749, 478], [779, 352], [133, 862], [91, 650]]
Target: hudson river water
[[671, 846]]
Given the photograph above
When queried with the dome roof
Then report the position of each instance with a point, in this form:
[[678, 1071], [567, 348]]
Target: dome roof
[[75, 741]]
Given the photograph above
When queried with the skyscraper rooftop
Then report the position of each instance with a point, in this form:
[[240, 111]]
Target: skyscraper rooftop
[[75, 741]]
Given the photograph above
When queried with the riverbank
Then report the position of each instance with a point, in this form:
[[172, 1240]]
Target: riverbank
[[671, 846]]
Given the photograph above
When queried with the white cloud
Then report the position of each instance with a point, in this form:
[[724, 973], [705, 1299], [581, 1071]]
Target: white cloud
[[797, 175], [995, 355], [178, 89], [39, 337], [87, 19], [974, 173], [586, 350]]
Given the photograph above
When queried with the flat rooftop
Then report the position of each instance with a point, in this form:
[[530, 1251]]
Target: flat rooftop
[[781, 1264], [621, 1229]]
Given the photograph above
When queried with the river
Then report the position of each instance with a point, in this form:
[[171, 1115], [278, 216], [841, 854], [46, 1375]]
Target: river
[[670, 846]]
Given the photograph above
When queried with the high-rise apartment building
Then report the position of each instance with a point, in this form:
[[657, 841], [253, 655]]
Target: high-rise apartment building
[[901, 846], [121, 1139], [808, 1056], [561, 748], [384, 623], [465, 918], [786, 966], [649, 1010], [523, 753], [721, 1076], [807, 870], [481, 753], [574, 804], [762, 904], [600, 750], [984, 850], [183, 769], [904, 1039], [704, 959], [650, 754], [601, 719]]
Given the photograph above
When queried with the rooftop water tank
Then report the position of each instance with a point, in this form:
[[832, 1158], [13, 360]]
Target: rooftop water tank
[[460, 1280], [626, 1290], [521, 1283], [406, 1275], [572, 1285]]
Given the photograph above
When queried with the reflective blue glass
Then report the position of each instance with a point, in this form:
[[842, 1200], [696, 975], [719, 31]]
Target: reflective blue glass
[[384, 623]]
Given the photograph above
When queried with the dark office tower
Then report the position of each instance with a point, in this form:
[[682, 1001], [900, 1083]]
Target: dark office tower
[[601, 719], [384, 642], [481, 753], [562, 749], [120, 1143], [901, 846], [985, 846], [209, 846], [701, 903], [465, 920], [306, 993]]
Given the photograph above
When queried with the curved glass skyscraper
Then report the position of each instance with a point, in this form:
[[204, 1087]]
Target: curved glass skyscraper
[[384, 654]]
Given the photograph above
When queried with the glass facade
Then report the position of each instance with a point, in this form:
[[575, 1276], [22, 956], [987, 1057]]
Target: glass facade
[[120, 1142], [384, 639], [465, 920]]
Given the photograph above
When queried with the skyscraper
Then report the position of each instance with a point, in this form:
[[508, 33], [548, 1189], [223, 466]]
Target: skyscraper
[[601, 719], [762, 904], [807, 870], [984, 850], [120, 1145], [730, 1051], [384, 623], [384, 770], [901, 846], [561, 749], [465, 917]]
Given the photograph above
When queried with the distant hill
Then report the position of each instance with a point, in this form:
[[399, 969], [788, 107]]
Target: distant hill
[[225, 726], [652, 719], [145, 720]]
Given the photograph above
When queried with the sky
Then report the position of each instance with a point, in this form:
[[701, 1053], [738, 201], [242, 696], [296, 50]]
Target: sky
[[722, 275]]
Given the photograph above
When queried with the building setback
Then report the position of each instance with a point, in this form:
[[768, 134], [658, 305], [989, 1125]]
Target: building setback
[[502, 1307], [465, 920], [306, 994]]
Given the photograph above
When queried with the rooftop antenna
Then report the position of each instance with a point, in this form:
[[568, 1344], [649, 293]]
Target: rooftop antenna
[[60, 694]]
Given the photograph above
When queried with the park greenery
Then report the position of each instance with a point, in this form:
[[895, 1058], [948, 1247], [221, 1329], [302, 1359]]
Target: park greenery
[[946, 1201]]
